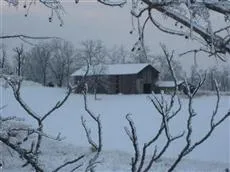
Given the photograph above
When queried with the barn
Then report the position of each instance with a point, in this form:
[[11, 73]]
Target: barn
[[119, 78]]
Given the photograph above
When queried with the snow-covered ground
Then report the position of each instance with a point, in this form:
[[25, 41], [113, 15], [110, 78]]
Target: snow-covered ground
[[213, 155]]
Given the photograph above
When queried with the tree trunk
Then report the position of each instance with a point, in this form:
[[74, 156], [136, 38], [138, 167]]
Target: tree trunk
[[39, 138], [44, 78]]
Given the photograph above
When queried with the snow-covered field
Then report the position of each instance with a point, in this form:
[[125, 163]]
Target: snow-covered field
[[213, 155]]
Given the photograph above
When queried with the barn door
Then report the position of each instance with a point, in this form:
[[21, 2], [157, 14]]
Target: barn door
[[147, 88]]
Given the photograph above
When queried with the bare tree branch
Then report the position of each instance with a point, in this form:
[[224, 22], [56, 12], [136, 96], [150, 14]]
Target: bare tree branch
[[30, 158], [70, 162], [133, 137], [21, 36], [113, 3], [58, 104], [168, 109], [15, 84], [97, 146]]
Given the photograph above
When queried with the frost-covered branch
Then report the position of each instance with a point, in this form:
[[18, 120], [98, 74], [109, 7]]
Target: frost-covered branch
[[20, 36], [33, 152], [96, 147], [96, 144], [15, 84], [113, 3], [168, 109], [30, 158], [133, 137], [69, 163], [13, 134], [58, 104], [194, 15], [26, 38]]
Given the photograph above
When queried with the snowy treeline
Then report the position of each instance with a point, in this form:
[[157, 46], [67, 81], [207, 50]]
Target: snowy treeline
[[52, 63], [221, 73]]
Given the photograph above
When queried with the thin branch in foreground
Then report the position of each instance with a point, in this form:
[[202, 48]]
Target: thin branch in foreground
[[30, 158], [133, 137], [70, 162], [96, 146], [114, 3], [167, 109], [15, 84], [22, 36], [88, 134]]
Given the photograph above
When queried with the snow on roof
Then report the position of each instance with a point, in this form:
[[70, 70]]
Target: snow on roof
[[112, 69], [167, 83]]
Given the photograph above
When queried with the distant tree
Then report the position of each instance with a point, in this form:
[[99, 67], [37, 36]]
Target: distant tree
[[98, 79], [221, 74], [140, 54], [92, 51], [194, 72], [37, 62], [93, 54], [118, 55], [3, 56], [161, 64], [62, 61], [225, 78], [5, 66], [19, 59]]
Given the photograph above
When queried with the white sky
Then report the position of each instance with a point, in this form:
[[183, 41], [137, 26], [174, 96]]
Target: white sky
[[91, 20]]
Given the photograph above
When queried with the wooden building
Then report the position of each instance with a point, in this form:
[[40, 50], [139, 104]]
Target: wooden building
[[119, 78], [168, 86]]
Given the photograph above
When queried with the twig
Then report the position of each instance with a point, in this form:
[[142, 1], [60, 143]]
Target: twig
[[70, 162]]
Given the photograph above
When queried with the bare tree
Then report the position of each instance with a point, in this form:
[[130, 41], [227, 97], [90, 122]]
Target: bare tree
[[3, 56], [4, 63], [93, 54], [37, 63], [219, 72], [92, 51], [62, 61], [97, 79], [140, 54], [160, 63], [118, 55], [225, 78], [20, 59], [167, 111]]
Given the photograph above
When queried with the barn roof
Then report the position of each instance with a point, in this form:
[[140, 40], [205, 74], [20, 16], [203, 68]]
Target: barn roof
[[112, 69], [167, 84]]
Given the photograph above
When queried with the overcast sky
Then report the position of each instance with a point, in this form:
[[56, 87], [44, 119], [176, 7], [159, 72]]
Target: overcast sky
[[91, 20]]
